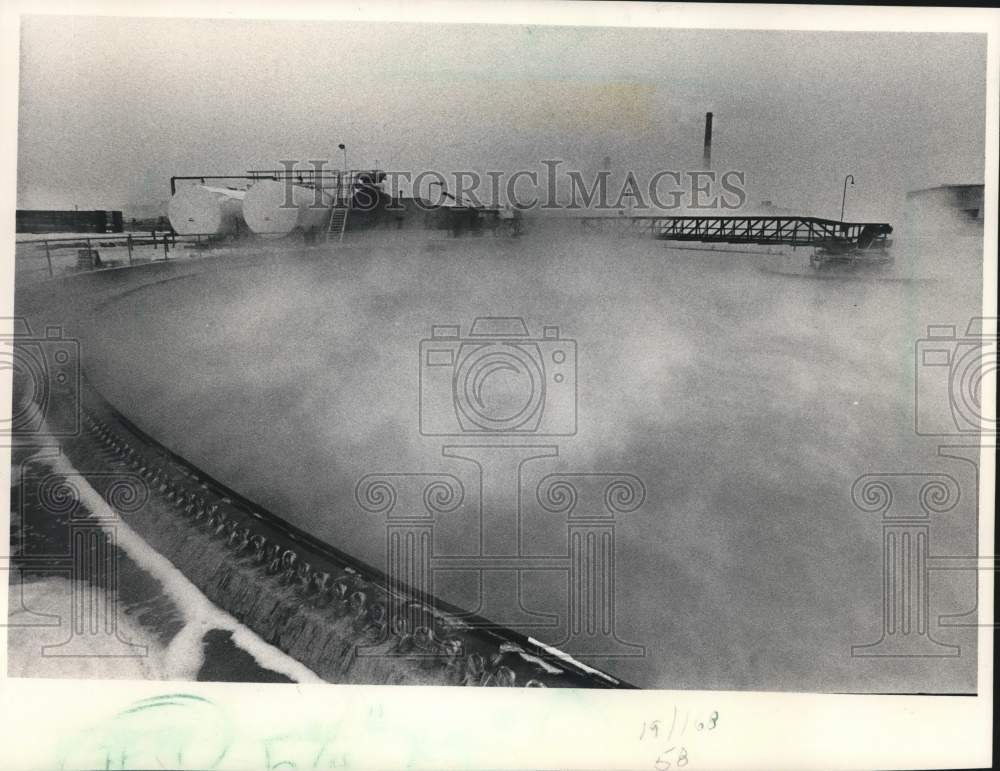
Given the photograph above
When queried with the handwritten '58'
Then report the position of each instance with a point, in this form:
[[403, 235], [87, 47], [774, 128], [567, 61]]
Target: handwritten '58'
[[676, 756]]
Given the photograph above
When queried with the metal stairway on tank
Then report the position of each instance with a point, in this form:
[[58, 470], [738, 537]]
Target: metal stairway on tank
[[338, 222]]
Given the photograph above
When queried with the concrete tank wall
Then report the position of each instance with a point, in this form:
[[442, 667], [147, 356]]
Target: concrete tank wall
[[197, 209], [267, 214]]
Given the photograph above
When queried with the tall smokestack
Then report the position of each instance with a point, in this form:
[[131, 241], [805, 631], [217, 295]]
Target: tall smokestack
[[707, 158]]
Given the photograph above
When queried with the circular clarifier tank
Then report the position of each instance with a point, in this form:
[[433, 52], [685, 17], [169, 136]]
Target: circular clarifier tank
[[197, 209], [292, 378], [274, 209]]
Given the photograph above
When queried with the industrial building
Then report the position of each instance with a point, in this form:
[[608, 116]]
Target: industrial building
[[964, 201], [68, 221]]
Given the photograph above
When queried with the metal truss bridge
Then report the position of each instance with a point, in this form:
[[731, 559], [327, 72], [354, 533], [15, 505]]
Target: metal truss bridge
[[767, 230]]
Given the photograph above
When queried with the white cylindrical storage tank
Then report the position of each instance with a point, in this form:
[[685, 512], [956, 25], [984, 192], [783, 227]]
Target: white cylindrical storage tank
[[197, 209], [273, 208]]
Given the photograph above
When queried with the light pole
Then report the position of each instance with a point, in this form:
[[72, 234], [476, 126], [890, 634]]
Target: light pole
[[843, 199], [342, 181], [444, 190]]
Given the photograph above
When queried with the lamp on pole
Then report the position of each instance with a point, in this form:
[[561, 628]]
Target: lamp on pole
[[444, 189], [843, 199], [343, 147]]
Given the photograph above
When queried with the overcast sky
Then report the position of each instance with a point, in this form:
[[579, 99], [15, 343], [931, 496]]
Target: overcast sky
[[110, 108]]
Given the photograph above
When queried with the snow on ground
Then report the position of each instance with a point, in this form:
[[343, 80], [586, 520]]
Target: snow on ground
[[28, 640], [181, 659]]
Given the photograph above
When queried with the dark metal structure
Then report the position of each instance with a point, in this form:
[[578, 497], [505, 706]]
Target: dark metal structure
[[68, 221], [966, 201], [769, 231], [774, 230]]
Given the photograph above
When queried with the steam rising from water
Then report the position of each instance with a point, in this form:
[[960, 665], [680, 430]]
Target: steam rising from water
[[746, 399]]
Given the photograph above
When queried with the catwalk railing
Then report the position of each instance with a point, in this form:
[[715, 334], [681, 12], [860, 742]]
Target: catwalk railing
[[43, 257], [338, 183]]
